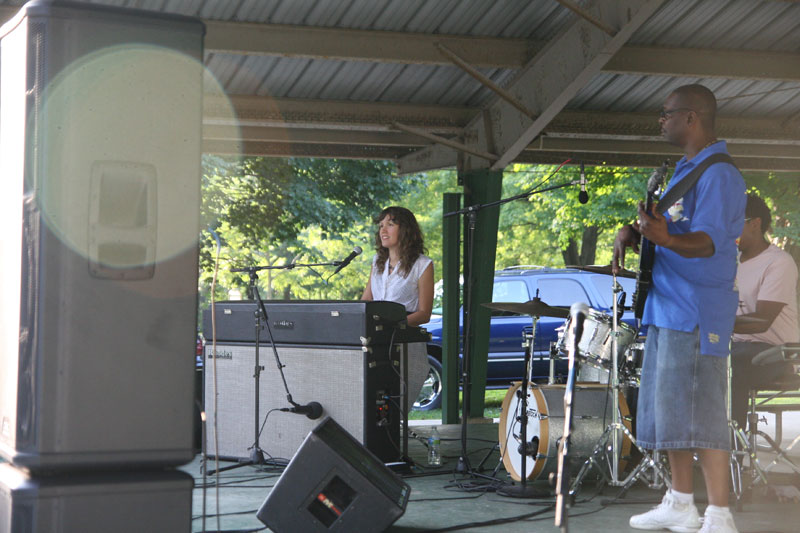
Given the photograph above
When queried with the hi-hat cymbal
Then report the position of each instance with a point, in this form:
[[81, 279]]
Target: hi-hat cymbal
[[534, 307], [605, 269]]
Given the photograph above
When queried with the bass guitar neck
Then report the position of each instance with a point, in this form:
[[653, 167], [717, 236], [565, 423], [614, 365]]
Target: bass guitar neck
[[647, 250]]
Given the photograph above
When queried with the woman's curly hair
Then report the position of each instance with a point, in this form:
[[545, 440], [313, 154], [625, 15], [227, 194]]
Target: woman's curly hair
[[412, 244]]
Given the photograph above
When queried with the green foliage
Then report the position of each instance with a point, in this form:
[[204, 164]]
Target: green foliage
[[782, 194], [538, 230]]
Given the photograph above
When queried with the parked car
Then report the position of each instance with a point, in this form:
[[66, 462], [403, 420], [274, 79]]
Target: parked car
[[557, 287]]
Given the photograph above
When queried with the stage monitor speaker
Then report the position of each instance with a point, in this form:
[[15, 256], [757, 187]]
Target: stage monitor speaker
[[100, 145], [359, 388], [334, 484], [126, 502]]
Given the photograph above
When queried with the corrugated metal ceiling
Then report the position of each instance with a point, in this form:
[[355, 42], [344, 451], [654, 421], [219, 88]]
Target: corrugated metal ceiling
[[745, 25]]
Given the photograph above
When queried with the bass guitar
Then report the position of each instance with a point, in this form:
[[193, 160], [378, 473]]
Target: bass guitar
[[647, 250]]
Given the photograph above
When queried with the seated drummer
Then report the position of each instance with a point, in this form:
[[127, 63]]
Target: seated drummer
[[767, 282]]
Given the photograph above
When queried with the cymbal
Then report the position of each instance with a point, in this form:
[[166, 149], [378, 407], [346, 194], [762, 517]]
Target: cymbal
[[534, 307], [605, 269]]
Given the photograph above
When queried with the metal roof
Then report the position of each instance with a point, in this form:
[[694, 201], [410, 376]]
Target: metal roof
[[335, 78]]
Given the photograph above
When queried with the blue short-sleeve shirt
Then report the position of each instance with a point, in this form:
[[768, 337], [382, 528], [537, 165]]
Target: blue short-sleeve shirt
[[700, 292]]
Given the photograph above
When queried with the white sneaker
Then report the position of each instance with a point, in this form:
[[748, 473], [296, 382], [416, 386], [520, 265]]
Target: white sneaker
[[713, 523], [670, 514]]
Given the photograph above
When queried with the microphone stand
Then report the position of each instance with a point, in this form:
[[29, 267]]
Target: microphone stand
[[256, 453], [563, 473], [471, 213]]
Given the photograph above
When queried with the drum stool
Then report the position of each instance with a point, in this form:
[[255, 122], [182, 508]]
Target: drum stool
[[786, 386]]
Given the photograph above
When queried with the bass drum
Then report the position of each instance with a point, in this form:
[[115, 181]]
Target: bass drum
[[591, 414]]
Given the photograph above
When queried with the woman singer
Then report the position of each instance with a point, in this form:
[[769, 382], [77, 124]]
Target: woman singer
[[402, 273]]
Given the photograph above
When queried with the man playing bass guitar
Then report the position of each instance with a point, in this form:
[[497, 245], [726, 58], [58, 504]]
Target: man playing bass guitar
[[690, 311]]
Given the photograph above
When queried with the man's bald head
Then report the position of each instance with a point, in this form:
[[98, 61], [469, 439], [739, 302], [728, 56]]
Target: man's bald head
[[701, 100]]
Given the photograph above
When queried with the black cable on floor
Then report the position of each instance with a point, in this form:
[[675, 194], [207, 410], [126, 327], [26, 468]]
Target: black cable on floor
[[495, 522]]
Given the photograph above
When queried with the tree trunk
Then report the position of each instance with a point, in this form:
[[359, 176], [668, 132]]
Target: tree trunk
[[570, 255], [588, 251], [589, 246]]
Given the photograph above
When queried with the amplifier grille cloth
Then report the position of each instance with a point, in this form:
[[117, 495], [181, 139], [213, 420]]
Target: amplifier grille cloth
[[331, 376]]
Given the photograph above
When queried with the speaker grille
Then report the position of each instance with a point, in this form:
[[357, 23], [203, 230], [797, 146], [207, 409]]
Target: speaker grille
[[339, 378]]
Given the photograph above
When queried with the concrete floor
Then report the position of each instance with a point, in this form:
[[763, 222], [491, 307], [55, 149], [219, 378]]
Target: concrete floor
[[443, 501]]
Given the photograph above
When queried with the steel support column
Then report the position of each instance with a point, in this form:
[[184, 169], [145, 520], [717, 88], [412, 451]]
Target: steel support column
[[451, 302], [480, 186]]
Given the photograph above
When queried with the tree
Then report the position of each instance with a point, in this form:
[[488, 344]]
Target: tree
[[554, 223], [782, 194]]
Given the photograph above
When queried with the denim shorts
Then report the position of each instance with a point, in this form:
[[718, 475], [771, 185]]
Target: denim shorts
[[681, 402]]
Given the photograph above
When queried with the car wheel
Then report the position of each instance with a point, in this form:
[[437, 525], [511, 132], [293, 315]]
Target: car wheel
[[430, 397]]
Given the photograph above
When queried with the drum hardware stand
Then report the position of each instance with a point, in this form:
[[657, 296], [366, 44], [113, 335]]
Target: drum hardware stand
[[551, 378], [523, 490], [745, 444], [659, 477], [311, 410]]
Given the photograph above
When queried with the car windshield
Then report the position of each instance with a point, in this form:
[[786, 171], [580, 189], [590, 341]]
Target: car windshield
[[560, 292], [510, 291], [603, 285]]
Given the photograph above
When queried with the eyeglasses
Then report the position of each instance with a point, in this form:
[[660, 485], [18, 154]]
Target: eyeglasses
[[666, 113]]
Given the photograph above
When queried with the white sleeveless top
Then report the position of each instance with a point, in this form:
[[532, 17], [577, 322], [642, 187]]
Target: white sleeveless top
[[396, 288]]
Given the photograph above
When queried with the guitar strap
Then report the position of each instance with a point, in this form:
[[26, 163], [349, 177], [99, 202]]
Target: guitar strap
[[677, 192]]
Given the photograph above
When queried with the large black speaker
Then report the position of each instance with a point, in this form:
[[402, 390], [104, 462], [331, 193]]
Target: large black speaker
[[358, 387], [334, 484], [100, 142]]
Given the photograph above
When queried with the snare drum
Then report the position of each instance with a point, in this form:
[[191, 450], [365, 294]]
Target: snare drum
[[591, 415], [595, 346]]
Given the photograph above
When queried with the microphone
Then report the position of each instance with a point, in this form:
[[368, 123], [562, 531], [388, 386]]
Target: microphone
[[353, 254], [583, 196], [312, 410], [578, 313], [530, 449]]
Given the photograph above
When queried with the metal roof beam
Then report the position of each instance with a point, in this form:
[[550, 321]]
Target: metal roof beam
[[290, 114], [288, 149], [363, 45], [747, 164], [287, 112], [553, 77], [309, 135], [245, 38], [705, 63], [485, 52], [655, 147]]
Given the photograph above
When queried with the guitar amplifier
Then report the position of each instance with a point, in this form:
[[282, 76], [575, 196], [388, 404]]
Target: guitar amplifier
[[327, 322], [357, 386]]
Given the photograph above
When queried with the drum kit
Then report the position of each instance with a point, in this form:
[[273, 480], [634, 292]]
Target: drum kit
[[532, 424]]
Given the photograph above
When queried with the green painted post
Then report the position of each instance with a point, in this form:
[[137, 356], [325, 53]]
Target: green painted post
[[451, 302], [480, 187]]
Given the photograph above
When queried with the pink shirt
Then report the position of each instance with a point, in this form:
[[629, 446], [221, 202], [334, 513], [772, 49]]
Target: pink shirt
[[769, 276]]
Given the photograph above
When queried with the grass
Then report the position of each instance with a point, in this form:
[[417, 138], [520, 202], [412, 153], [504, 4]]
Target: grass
[[493, 399]]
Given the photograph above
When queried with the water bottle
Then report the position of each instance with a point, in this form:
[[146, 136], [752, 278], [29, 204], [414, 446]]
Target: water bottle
[[434, 452]]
